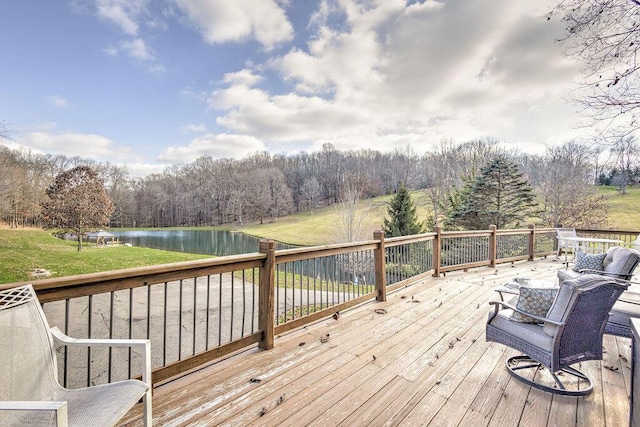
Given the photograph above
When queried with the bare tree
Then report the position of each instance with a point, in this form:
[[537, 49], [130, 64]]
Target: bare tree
[[627, 154], [605, 36], [403, 167], [330, 171], [564, 185], [311, 192], [601, 156], [118, 187], [77, 202], [267, 193], [352, 220], [4, 131]]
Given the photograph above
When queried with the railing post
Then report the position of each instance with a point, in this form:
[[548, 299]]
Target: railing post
[[267, 288], [493, 246], [437, 255], [380, 268], [532, 242]]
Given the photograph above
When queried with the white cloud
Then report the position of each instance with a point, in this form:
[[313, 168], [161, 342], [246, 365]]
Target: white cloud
[[122, 13], [222, 21], [134, 48], [382, 74], [139, 170], [137, 49], [214, 145], [58, 101], [129, 16], [193, 94], [68, 144], [196, 128], [45, 126], [156, 68], [244, 77]]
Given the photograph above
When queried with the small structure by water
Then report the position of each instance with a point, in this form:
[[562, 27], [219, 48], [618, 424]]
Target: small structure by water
[[103, 238]]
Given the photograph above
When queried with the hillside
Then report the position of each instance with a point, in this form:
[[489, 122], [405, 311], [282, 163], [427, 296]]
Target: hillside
[[320, 226], [624, 213]]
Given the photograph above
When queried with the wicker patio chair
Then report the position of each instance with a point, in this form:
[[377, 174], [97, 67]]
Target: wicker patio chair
[[30, 393], [618, 263], [571, 332]]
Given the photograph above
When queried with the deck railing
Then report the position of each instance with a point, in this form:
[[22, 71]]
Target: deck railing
[[198, 311]]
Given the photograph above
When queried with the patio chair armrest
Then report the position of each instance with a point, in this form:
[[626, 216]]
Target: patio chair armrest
[[498, 304], [503, 290], [144, 344], [96, 342], [59, 407], [606, 273]]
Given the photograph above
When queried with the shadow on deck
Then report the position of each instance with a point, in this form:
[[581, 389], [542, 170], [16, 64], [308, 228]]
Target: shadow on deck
[[420, 358]]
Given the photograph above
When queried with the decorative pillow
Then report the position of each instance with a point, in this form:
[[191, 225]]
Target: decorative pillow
[[536, 301], [586, 261]]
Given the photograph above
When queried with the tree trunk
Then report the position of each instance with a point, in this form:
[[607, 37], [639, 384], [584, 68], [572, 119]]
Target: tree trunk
[[79, 242]]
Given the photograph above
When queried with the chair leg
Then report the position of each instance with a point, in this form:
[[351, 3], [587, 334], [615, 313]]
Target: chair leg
[[521, 363]]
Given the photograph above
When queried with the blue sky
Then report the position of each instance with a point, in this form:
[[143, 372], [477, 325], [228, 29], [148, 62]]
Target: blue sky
[[149, 83]]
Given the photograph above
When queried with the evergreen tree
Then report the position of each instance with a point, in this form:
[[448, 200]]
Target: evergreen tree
[[499, 195], [402, 220], [454, 203]]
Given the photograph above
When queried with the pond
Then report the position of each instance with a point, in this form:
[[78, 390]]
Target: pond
[[356, 267], [209, 242]]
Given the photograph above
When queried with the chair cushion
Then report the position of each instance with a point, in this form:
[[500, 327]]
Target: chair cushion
[[532, 333], [566, 275], [585, 261], [536, 301], [620, 261]]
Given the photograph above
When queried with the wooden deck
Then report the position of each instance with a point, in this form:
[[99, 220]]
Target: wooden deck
[[420, 358]]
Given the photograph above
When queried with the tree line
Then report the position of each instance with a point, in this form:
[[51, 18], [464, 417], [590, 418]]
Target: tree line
[[262, 187]]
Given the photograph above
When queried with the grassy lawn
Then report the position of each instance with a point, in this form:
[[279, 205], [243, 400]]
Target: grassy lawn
[[624, 211], [320, 227], [24, 250]]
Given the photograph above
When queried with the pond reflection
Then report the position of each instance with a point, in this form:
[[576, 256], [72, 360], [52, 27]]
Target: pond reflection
[[209, 242]]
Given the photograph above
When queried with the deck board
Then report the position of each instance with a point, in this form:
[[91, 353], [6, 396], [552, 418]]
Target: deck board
[[423, 362]]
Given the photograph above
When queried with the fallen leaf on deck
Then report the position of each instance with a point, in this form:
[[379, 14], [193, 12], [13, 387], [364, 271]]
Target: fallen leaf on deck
[[255, 380], [381, 310]]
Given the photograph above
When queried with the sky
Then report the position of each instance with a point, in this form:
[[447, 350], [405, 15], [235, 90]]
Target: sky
[[151, 83]]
